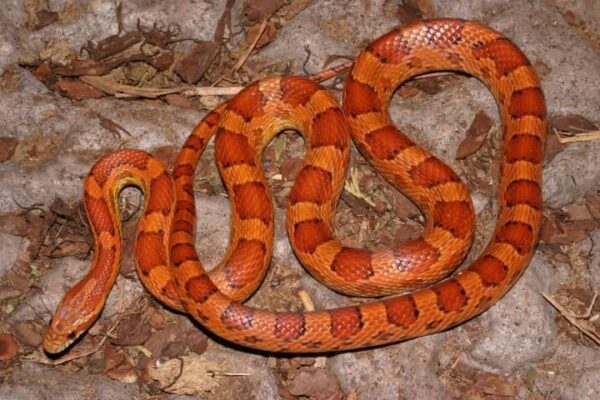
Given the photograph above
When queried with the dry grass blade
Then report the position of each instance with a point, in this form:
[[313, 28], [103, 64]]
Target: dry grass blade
[[246, 54], [581, 322], [579, 137], [126, 91]]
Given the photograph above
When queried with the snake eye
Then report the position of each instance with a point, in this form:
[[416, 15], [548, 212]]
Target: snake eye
[[71, 335]]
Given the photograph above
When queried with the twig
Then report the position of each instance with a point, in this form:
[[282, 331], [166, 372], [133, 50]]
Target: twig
[[126, 91], [244, 57], [578, 137]]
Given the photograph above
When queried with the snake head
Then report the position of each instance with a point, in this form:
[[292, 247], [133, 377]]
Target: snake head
[[73, 316]]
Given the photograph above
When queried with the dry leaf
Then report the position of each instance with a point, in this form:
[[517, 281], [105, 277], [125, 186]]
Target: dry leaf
[[572, 124], [189, 374], [593, 204], [7, 148], [258, 10], [195, 63], [8, 347], [476, 135], [78, 90], [267, 35]]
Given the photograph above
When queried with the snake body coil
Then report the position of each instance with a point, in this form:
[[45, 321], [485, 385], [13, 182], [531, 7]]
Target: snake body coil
[[167, 261]]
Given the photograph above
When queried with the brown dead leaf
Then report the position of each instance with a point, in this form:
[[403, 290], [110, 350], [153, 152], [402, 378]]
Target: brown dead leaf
[[157, 36], [8, 347], [403, 207], [195, 63], [577, 212], [8, 292], [44, 74], [14, 223], [28, 333], [123, 373], [572, 124], [266, 36], [430, 85], [44, 18], [180, 101], [290, 168], [157, 318], [113, 357], [131, 331], [408, 231], [556, 229], [259, 10], [317, 384], [78, 90], [592, 200], [7, 148], [196, 341], [112, 45], [159, 340], [476, 134]]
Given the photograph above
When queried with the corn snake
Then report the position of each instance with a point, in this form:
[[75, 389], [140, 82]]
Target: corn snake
[[166, 258]]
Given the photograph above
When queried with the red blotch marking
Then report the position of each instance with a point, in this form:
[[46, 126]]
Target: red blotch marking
[[313, 185], [253, 201], [183, 170], [182, 252], [432, 172], [491, 270], [246, 259], [454, 216], [150, 251], [505, 55], [360, 98], [308, 235], [415, 255], [194, 142], [232, 148], [183, 226], [353, 264], [386, 143], [517, 234], [184, 205], [200, 288], [451, 296], [525, 148], [401, 311], [297, 91], [345, 322], [238, 317], [161, 195], [330, 128], [524, 192], [100, 216], [248, 103], [289, 326], [212, 118], [528, 101]]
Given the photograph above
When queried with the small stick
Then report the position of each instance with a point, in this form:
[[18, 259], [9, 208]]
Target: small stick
[[246, 54]]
